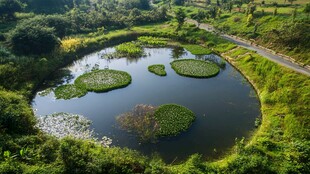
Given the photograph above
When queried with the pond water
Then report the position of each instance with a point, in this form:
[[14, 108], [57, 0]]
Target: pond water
[[225, 106]]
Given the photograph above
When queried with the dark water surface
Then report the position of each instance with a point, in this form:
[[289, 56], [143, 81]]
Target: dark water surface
[[225, 106]]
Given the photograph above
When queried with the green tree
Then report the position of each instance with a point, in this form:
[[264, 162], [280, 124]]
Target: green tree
[[16, 116], [307, 9], [208, 2], [291, 1], [200, 16], [8, 8], [180, 16], [275, 12], [33, 39], [179, 2]]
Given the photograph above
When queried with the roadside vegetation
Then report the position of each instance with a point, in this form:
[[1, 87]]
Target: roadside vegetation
[[282, 26], [157, 69], [195, 68], [71, 29]]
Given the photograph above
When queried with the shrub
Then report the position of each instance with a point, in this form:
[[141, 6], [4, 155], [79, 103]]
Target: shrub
[[158, 70], [33, 39], [16, 116]]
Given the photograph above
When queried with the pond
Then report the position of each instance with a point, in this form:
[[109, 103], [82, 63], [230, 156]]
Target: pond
[[225, 106]]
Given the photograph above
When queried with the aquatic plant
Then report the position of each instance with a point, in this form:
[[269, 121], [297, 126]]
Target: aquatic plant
[[197, 49], [173, 119], [158, 69], [150, 122], [69, 91], [141, 121], [195, 68], [61, 125], [103, 80], [153, 41], [129, 49], [45, 92]]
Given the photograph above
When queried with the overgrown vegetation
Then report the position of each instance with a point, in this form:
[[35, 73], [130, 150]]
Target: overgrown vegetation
[[141, 121], [280, 145], [157, 69], [150, 41], [195, 68], [151, 122], [129, 49]]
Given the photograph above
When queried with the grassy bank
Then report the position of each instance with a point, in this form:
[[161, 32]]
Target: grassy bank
[[280, 145]]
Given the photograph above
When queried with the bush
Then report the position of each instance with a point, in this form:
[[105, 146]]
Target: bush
[[33, 39], [16, 115]]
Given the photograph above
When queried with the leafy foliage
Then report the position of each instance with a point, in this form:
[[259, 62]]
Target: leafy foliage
[[152, 41], [16, 116], [103, 80], [158, 70], [173, 119], [33, 39], [129, 49], [195, 68], [8, 8]]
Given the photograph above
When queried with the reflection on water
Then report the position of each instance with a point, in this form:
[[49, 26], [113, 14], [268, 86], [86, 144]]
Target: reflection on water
[[225, 106]]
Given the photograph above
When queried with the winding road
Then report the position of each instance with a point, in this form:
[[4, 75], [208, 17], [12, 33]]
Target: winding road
[[269, 55]]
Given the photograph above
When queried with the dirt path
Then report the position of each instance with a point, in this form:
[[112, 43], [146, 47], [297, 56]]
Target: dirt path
[[263, 52]]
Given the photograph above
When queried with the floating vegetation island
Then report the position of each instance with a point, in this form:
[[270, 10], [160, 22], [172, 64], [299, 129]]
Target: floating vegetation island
[[158, 69], [195, 68], [173, 119], [150, 122], [97, 81], [69, 91], [61, 125], [103, 80]]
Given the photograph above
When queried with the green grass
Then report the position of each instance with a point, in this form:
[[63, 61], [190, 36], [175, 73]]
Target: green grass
[[152, 41], [173, 119], [129, 49], [196, 49], [69, 91], [240, 51], [103, 80], [195, 68], [157, 69]]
